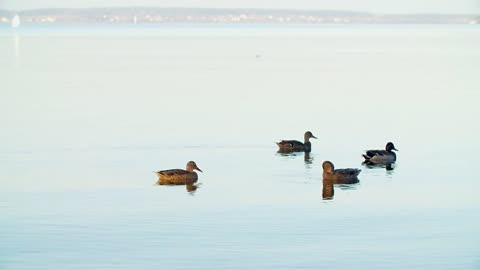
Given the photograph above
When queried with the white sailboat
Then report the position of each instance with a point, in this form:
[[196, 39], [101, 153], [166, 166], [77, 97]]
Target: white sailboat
[[15, 23]]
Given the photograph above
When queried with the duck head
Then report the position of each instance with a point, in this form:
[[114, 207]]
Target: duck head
[[309, 135], [390, 147], [191, 165], [328, 166]]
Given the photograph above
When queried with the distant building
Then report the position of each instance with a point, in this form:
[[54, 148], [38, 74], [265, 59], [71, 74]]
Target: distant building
[[15, 22]]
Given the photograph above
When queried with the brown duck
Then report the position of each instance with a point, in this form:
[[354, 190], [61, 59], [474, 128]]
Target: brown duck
[[339, 176], [179, 176], [296, 146]]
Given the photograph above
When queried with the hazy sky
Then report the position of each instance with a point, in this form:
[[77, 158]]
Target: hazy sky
[[379, 6]]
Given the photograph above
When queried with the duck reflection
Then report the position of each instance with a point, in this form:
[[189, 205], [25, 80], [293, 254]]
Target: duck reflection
[[307, 158], [328, 191], [288, 153], [192, 188], [388, 166], [329, 185]]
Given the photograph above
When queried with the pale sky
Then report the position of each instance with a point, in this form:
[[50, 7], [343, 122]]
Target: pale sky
[[377, 6]]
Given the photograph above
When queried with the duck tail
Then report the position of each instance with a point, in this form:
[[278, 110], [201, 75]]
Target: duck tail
[[367, 158]]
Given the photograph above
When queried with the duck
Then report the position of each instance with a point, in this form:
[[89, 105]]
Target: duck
[[296, 146], [179, 176], [339, 176], [386, 156]]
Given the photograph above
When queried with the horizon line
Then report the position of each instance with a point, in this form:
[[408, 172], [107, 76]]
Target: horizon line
[[238, 8]]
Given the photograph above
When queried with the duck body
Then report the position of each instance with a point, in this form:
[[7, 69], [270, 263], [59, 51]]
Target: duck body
[[379, 157], [340, 176], [294, 146], [179, 176], [176, 177], [297, 146], [386, 156]]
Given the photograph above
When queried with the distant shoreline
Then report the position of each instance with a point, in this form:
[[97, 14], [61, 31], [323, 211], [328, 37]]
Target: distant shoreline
[[146, 15]]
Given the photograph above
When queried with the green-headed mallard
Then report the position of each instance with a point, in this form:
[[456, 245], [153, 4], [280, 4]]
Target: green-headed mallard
[[179, 176], [296, 146], [339, 176], [386, 156]]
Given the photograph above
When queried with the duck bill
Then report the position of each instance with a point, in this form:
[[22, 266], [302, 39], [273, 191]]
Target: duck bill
[[395, 149], [314, 137], [198, 169]]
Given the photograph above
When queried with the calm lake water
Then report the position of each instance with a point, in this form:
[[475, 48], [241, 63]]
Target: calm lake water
[[88, 114]]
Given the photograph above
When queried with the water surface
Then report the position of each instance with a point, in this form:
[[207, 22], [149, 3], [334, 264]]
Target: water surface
[[88, 115]]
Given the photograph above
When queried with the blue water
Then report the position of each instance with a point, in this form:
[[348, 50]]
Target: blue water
[[87, 118]]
